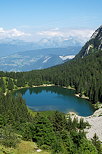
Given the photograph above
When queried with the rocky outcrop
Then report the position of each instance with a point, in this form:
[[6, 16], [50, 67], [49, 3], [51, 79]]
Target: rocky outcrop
[[93, 45]]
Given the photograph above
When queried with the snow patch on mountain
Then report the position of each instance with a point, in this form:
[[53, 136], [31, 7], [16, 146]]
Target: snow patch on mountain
[[67, 57], [46, 60]]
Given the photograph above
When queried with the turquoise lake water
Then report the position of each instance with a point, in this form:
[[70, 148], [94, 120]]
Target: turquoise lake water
[[55, 98]]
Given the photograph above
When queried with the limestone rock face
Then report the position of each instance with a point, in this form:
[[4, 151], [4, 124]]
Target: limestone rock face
[[93, 45]]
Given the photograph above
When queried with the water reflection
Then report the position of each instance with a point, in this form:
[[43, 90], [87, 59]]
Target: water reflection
[[52, 89], [55, 98]]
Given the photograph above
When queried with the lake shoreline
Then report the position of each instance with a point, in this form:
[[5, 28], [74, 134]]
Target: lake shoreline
[[95, 120], [49, 85], [83, 96], [69, 87], [70, 91], [44, 85]]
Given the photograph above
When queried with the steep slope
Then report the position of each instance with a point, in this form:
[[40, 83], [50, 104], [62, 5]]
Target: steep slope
[[93, 45]]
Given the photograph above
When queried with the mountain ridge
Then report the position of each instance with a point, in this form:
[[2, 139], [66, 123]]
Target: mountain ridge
[[37, 59], [11, 46], [93, 45]]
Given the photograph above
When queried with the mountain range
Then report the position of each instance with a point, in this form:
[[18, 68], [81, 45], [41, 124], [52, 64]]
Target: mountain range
[[37, 59], [17, 55], [10, 46]]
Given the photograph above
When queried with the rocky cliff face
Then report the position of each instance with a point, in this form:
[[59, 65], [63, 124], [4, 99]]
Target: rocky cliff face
[[93, 45]]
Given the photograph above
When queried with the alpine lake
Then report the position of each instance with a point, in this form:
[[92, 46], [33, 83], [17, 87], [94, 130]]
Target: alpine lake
[[55, 98]]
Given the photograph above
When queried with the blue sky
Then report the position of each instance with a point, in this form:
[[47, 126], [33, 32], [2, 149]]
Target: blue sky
[[35, 16]]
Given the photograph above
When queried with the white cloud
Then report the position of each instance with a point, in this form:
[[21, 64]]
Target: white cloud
[[80, 34], [51, 33], [12, 33]]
